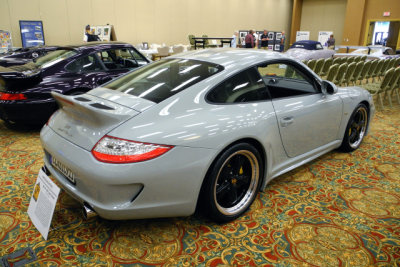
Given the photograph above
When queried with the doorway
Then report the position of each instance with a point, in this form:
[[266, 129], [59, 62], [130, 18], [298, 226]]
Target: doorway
[[386, 33]]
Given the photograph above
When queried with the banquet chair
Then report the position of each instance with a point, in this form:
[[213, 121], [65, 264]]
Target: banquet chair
[[349, 73], [364, 71], [376, 89], [340, 74], [330, 76], [325, 67], [318, 66]]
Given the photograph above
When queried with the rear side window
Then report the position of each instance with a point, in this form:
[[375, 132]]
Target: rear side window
[[161, 80], [244, 87], [84, 64]]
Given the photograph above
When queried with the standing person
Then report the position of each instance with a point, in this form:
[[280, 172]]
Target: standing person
[[89, 37], [256, 36], [264, 40], [331, 42], [282, 45], [249, 39], [234, 39]]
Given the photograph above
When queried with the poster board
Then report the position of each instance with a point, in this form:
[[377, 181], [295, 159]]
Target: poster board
[[104, 32], [5, 41], [32, 33], [323, 36], [43, 202], [242, 36], [302, 35], [274, 42]]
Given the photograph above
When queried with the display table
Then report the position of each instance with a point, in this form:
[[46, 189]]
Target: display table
[[202, 40]]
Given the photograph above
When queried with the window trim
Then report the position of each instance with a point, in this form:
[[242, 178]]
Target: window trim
[[236, 103], [308, 75]]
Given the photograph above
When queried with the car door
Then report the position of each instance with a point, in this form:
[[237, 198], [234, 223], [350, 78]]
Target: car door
[[307, 118]]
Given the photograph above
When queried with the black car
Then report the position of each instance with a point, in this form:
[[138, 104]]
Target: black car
[[25, 91], [22, 56]]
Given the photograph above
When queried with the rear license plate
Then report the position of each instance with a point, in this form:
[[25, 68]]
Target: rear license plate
[[64, 170]]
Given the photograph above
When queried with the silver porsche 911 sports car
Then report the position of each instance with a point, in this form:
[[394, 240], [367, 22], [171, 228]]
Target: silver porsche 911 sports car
[[201, 130]]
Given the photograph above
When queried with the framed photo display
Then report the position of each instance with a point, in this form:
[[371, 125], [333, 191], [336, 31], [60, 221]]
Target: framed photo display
[[32, 33]]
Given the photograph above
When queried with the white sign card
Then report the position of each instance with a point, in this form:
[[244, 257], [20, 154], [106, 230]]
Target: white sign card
[[323, 36], [302, 35], [43, 202]]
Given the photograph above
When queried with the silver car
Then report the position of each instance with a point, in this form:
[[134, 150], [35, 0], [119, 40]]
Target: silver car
[[204, 130]]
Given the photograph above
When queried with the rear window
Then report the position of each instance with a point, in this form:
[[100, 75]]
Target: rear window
[[52, 58], [161, 80]]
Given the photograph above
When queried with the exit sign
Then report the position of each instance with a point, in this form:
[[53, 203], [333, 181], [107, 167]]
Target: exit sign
[[386, 14]]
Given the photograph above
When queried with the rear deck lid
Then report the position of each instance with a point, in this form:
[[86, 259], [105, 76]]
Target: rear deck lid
[[85, 119]]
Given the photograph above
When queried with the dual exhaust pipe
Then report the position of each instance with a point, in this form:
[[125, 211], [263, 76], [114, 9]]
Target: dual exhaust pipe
[[88, 212]]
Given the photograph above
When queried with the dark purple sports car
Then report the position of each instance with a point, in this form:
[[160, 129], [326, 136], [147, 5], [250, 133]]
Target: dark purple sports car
[[22, 56], [25, 90]]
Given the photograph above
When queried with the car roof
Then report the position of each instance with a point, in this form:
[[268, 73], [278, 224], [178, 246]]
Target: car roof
[[231, 57], [306, 44], [95, 45]]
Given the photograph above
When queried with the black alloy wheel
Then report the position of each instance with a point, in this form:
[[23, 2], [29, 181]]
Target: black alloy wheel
[[233, 183], [356, 129]]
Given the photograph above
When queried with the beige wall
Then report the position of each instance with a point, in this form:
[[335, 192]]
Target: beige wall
[[153, 21], [374, 12], [323, 15]]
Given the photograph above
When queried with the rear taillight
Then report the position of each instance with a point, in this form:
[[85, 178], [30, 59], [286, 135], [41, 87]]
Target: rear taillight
[[8, 96], [114, 150]]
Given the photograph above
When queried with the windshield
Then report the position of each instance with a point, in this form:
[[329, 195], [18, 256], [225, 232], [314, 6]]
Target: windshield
[[161, 80], [52, 58]]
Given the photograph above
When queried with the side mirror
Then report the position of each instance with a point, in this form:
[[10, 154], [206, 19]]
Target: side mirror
[[328, 87]]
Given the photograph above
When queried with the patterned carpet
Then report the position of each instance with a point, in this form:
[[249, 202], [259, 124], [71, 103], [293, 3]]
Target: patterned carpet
[[339, 210]]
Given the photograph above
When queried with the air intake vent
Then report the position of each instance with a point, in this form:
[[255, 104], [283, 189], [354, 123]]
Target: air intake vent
[[82, 99], [101, 106]]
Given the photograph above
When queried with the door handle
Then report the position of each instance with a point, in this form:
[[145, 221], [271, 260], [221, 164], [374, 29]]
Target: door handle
[[286, 121]]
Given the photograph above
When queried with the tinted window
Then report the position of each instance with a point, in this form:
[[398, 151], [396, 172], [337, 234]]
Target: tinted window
[[53, 58], [246, 86], [160, 80], [84, 64], [284, 80], [121, 58]]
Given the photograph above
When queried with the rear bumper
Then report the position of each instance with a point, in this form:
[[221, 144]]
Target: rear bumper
[[167, 186], [37, 111]]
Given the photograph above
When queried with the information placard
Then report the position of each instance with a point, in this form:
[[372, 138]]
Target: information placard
[[43, 202], [302, 35], [31, 33], [323, 37]]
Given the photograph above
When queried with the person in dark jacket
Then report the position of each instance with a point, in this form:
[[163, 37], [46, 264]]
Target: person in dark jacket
[[249, 39], [89, 37]]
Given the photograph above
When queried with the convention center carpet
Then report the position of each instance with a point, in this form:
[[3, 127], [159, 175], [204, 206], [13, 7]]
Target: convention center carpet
[[339, 210]]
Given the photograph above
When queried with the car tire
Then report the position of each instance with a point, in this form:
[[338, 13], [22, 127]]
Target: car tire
[[356, 129], [232, 183]]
